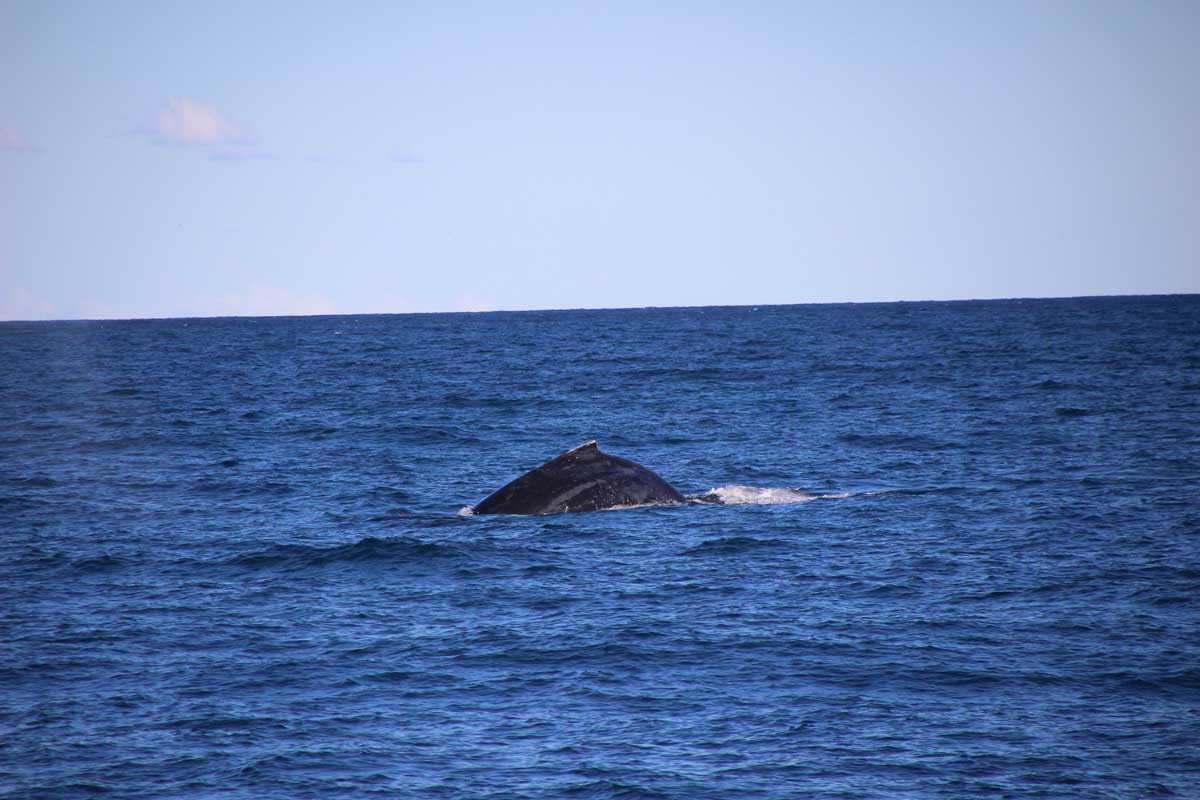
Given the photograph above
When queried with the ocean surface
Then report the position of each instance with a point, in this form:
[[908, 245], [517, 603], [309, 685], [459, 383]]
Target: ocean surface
[[957, 555]]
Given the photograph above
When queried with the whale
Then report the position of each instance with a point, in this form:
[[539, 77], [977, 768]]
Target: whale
[[582, 479]]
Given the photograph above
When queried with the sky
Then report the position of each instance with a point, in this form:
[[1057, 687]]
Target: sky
[[163, 159]]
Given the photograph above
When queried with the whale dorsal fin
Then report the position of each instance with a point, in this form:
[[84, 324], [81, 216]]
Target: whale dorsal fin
[[581, 479], [588, 446]]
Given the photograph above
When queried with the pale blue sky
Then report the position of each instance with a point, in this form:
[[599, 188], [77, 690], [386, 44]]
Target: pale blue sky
[[194, 159]]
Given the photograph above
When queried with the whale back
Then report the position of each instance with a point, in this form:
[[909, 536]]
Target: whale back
[[581, 479]]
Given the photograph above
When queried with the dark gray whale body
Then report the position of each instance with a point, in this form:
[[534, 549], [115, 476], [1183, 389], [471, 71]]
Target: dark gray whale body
[[582, 479]]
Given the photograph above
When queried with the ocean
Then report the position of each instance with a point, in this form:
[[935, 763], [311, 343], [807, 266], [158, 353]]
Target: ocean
[[958, 555]]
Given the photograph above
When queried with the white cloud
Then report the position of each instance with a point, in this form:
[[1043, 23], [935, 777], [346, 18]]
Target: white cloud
[[188, 122], [11, 140], [20, 303]]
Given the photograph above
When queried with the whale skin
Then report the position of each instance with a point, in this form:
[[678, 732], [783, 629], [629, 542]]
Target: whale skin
[[581, 479]]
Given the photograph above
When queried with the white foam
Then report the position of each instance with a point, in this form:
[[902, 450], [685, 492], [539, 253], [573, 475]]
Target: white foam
[[636, 505], [732, 495], [736, 495]]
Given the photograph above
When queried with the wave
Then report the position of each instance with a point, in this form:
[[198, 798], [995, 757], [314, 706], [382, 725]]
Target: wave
[[32, 482], [1072, 411], [738, 495], [734, 545], [402, 550]]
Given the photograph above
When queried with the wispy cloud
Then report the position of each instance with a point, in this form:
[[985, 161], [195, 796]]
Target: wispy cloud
[[184, 121], [20, 303], [13, 141]]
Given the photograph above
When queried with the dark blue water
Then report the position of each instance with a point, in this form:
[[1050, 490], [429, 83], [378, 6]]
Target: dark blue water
[[960, 556]]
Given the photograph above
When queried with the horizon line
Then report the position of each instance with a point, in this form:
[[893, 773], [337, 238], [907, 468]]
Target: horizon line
[[1014, 298]]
